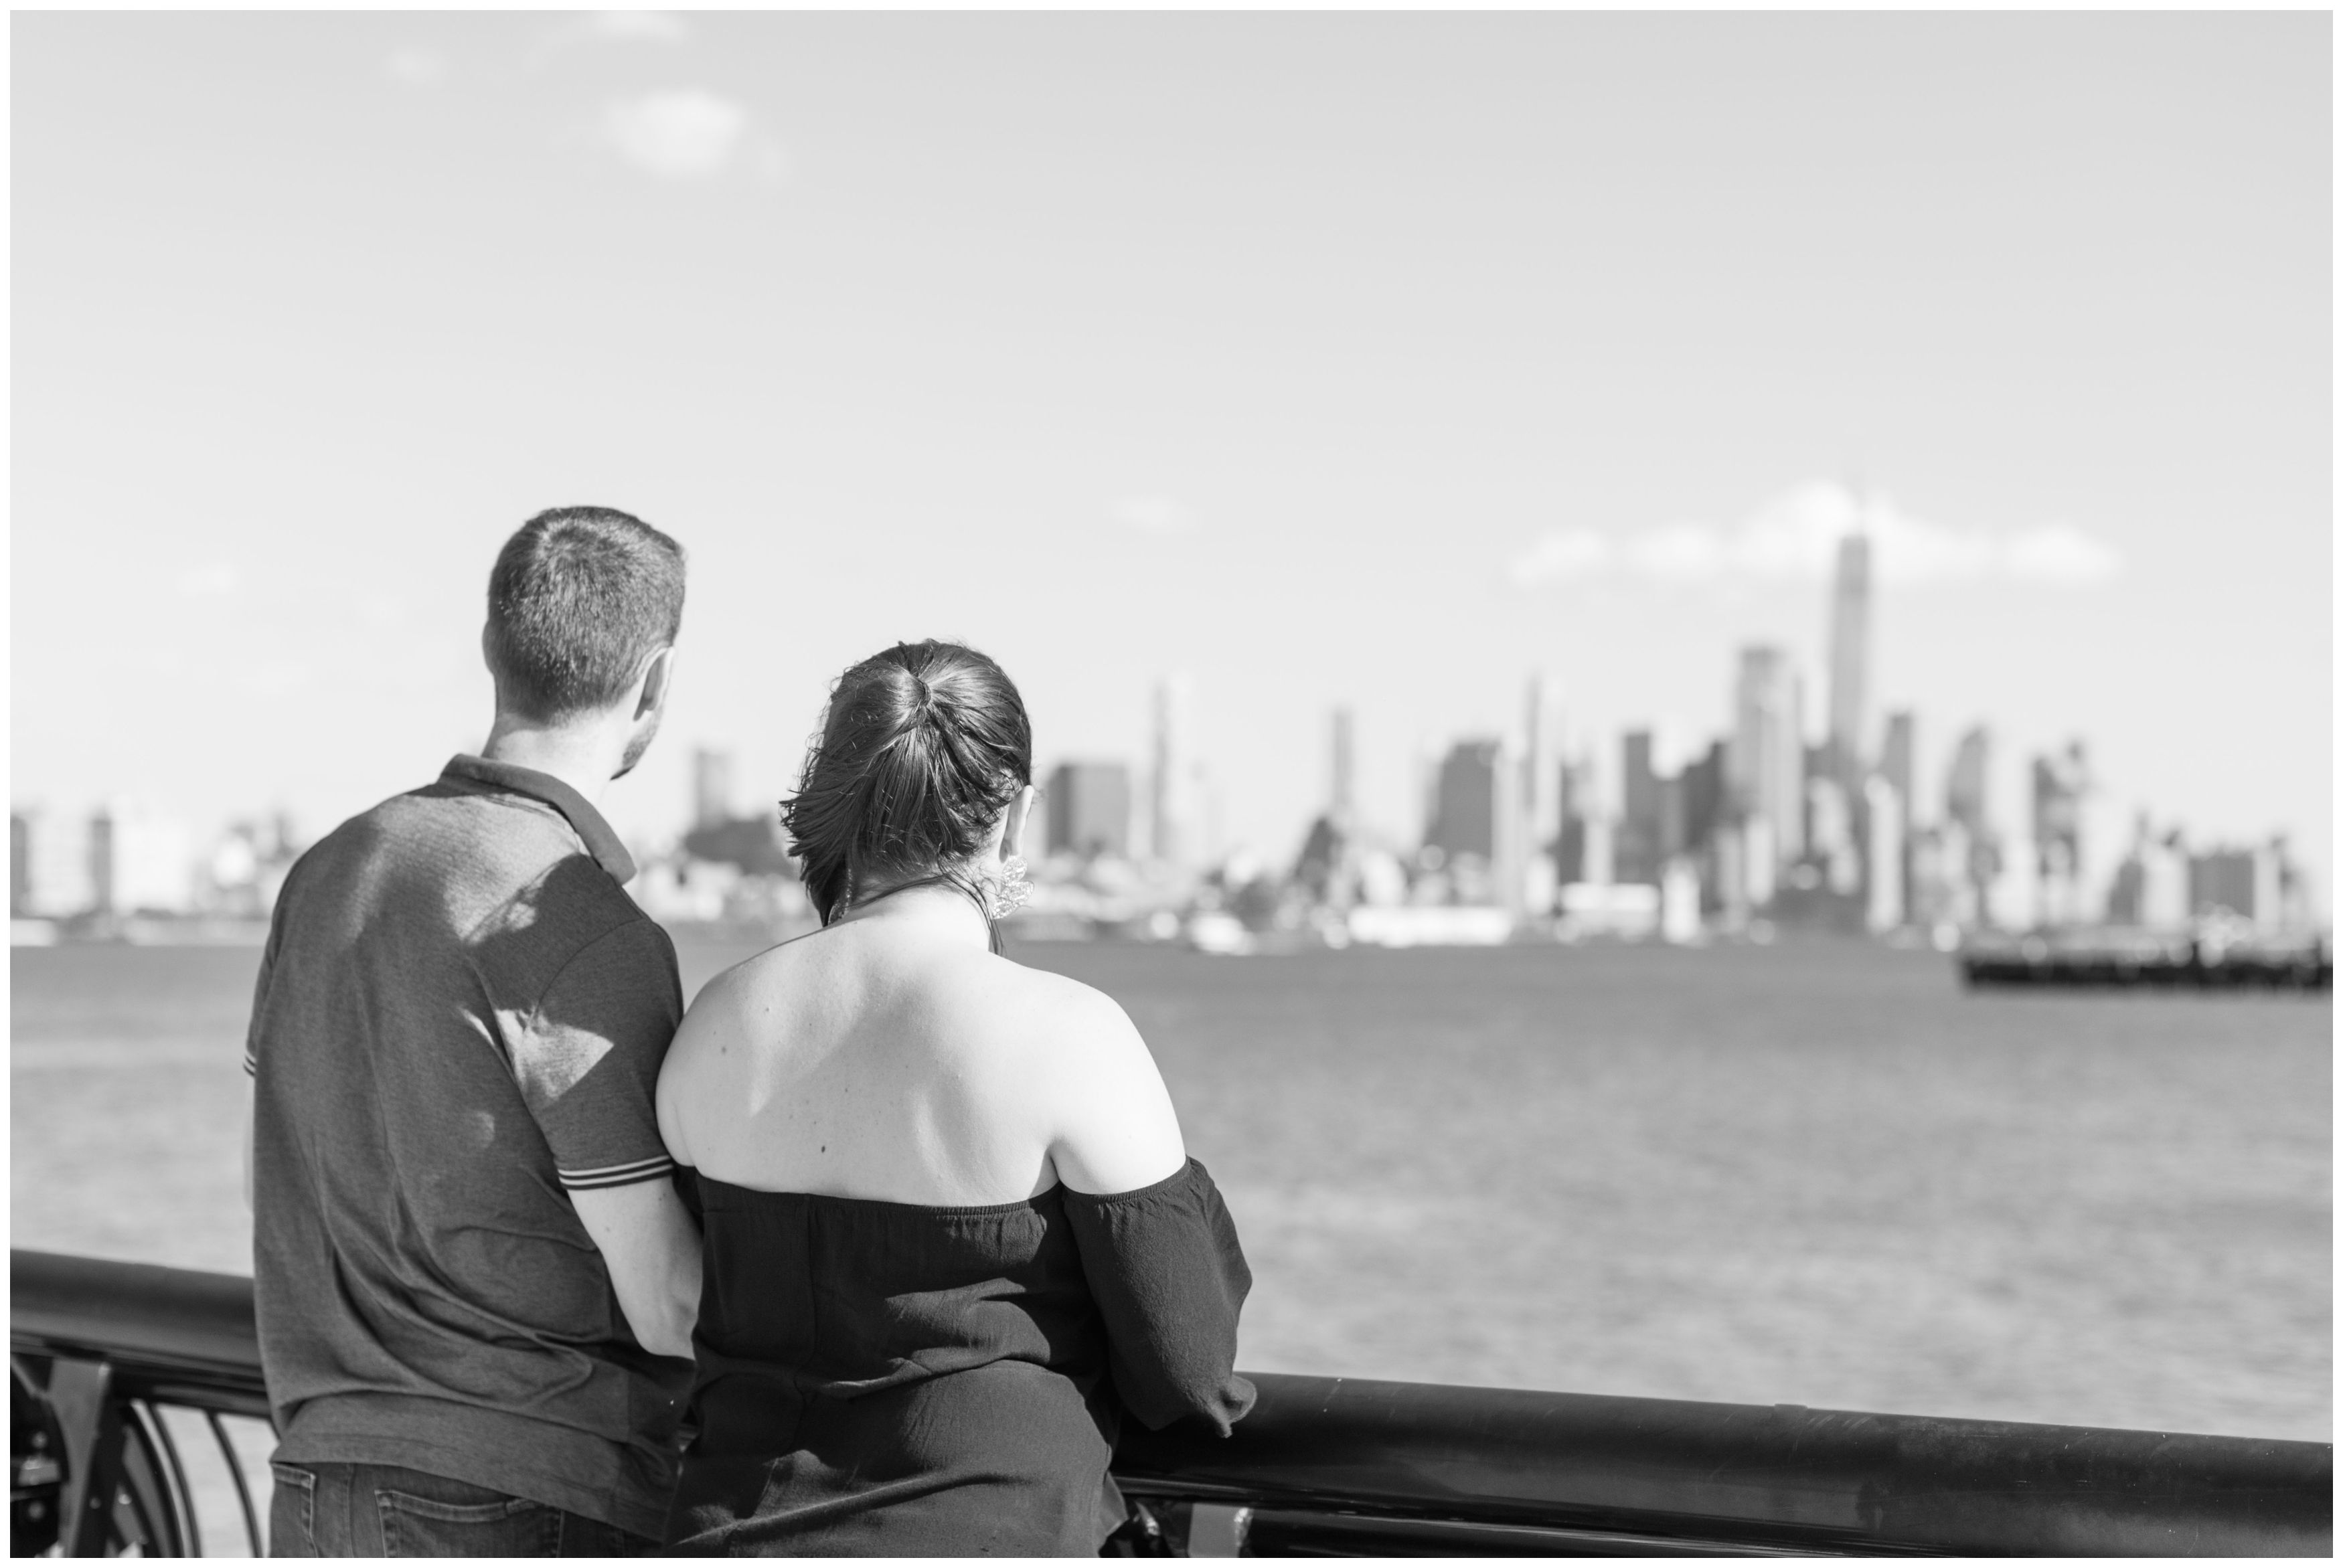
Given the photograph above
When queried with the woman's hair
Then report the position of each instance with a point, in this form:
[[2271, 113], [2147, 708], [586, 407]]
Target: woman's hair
[[922, 749]]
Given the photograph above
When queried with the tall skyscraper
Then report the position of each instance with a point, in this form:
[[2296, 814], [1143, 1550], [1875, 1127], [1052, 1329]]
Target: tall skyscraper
[[1542, 763], [1850, 662], [711, 787], [1636, 856], [1765, 774], [1172, 786], [1089, 809]]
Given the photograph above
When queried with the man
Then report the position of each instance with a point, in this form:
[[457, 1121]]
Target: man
[[475, 1283]]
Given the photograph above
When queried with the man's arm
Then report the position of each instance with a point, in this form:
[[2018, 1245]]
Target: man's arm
[[248, 1145], [588, 1066], [651, 1248]]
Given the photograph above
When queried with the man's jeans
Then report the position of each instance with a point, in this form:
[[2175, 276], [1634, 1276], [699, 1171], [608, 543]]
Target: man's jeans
[[386, 1511]]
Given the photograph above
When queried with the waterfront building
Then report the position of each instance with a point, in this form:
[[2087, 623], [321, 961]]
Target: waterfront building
[[1679, 901], [1172, 817], [1703, 799], [1541, 793], [20, 865], [1089, 809], [711, 787], [1575, 805], [140, 862], [1897, 765], [2150, 884], [1638, 850], [1967, 808], [2256, 882], [57, 875], [1728, 891], [2012, 893], [1464, 811], [1886, 859], [1850, 662], [2060, 783], [1831, 841], [1766, 767]]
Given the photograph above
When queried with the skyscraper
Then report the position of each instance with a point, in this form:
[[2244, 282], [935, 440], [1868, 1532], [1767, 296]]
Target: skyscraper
[[1542, 763], [1172, 820], [1966, 808], [1465, 803], [2060, 781], [1089, 809], [1897, 765], [1767, 766], [711, 787], [1636, 855], [1850, 662], [1964, 782]]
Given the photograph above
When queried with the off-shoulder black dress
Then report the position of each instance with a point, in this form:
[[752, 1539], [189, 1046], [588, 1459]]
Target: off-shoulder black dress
[[888, 1379]]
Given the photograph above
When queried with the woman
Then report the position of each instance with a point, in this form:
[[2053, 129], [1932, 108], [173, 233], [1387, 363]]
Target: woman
[[951, 1231]]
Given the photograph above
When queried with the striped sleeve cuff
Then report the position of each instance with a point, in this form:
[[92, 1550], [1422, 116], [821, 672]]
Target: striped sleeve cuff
[[633, 1171], [251, 1065]]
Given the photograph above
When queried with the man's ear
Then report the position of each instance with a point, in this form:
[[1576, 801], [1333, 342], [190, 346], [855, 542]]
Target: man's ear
[[494, 685], [656, 674]]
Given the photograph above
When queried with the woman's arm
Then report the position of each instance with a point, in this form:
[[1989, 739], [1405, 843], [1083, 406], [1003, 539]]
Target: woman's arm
[[1114, 1130]]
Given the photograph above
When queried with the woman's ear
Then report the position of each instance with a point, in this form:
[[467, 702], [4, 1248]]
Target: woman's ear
[[1012, 827]]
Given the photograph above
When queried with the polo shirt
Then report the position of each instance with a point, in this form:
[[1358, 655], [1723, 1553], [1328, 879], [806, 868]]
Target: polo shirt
[[460, 1020]]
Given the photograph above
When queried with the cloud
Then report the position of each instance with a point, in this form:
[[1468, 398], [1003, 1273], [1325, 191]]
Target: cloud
[[687, 134], [412, 67], [1794, 538], [617, 29], [1151, 513], [209, 582], [1560, 557], [635, 26], [2060, 553]]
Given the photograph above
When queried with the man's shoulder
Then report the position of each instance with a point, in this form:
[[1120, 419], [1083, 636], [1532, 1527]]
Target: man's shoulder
[[503, 875]]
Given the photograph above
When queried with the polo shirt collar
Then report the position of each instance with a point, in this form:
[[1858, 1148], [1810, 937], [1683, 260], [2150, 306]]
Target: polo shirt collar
[[600, 841]]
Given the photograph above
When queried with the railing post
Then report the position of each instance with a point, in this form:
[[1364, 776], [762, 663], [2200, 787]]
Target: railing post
[[89, 1418]]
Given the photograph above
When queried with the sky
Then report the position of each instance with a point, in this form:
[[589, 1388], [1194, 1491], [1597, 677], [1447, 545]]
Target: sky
[[1369, 359]]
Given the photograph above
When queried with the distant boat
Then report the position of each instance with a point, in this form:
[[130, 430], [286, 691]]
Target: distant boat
[[2213, 955]]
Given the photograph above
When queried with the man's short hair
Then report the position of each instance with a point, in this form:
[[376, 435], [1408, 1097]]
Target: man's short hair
[[580, 598]]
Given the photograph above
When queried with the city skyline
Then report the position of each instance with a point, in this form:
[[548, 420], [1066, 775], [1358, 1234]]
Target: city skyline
[[1438, 351]]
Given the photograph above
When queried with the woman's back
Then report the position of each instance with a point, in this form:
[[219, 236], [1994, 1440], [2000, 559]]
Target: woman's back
[[888, 1058], [950, 1232]]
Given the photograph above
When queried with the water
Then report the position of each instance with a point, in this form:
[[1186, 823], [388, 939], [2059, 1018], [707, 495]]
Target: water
[[1815, 1173]]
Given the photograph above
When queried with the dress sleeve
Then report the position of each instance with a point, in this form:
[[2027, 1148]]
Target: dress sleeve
[[587, 1059], [1165, 1269]]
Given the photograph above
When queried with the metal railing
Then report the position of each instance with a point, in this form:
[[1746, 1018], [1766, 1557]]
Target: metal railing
[[1323, 1465]]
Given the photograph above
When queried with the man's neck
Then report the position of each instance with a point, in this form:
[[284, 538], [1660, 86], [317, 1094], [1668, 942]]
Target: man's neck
[[579, 755]]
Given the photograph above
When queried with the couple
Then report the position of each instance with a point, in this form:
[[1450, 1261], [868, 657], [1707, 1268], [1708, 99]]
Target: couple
[[870, 1252]]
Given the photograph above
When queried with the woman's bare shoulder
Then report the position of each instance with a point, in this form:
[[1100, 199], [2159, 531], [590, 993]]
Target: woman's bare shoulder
[[1109, 1121]]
